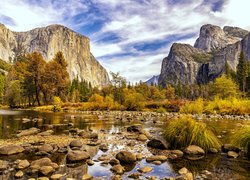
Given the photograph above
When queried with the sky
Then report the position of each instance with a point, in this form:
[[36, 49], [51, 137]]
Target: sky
[[128, 36]]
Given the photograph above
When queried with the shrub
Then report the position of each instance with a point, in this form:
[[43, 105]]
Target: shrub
[[161, 110], [241, 138], [186, 131], [195, 107], [134, 101]]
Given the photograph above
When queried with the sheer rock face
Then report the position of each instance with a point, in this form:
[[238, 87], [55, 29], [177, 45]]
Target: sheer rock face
[[217, 47], [48, 41], [180, 66]]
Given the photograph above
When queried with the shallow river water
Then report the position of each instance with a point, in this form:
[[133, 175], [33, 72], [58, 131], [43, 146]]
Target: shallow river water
[[222, 167]]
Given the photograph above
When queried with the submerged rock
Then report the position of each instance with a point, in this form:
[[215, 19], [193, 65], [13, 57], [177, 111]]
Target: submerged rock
[[11, 149], [145, 169], [126, 157]]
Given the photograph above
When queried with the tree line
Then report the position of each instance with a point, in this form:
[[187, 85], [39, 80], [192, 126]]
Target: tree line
[[32, 81]]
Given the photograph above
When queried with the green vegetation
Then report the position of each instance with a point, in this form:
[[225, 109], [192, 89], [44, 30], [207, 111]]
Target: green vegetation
[[4, 65], [185, 131], [241, 138], [202, 57]]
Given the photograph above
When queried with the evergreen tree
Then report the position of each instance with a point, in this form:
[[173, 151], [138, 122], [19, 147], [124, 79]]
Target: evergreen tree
[[242, 73]]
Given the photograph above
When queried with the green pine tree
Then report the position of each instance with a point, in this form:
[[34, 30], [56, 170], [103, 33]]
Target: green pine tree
[[242, 73]]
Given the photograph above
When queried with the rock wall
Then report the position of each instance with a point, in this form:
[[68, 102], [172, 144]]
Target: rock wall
[[48, 41]]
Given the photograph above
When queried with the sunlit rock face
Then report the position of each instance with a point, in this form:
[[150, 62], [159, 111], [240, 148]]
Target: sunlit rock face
[[48, 41], [205, 61]]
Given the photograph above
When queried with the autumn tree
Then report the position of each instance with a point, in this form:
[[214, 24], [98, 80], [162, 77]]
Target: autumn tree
[[224, 87], [36, 68]]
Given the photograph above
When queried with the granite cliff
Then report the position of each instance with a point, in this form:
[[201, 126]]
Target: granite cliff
[[205, 61], [48, 41]]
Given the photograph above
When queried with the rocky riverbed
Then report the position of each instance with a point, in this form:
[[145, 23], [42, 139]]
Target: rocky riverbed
[[135, 150]]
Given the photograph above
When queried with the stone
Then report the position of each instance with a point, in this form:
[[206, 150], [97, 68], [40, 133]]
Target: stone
[[28, 132], [56, 176], [52, 39], [11, 149], [135, 175], [45, 170], [113, 162], [19, 174], [139, 157], [232, 154], [46, 133], [158, 144], [42, 178], [229, 147], [145, 169], [118, 169], [77, 156], [22, 164], [90, 162], [157, 162], [116, 177], [76, 144], [194, 150], [135, 129], [161, 158], [3, 165], [212, 151], [45, 148], [126, 157], [87, 177], [103, 147], [39, 163], [183, 171], [178, 153], [142, 137]]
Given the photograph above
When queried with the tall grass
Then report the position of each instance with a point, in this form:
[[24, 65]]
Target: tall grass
[[186, 131], [241, 138], [195, 107]]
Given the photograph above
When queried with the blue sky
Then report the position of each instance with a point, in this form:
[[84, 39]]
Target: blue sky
[[128, 36]]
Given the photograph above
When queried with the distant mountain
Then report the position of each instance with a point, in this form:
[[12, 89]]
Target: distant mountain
[[48, 41], [153, 80], [206, 61]]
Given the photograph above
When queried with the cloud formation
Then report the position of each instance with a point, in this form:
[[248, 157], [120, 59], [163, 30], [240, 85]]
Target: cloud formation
[[129, 36]]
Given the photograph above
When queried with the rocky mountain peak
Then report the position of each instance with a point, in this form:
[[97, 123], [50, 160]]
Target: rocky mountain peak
[[213, 37], [235, 31]]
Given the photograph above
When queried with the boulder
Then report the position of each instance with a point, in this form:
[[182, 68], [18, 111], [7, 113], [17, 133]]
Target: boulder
[[45, 170], [157, 144], [76, 144], [45, 148], [194, 150], [118, 169], [56, 176], [142, 137], [113, 162], [77, 156], [28, 132], [38, 164], [19, 174], [126, 157], [103, 147], [3, 165], [229, 147], [11, 149], [156, 158], [22, 164]]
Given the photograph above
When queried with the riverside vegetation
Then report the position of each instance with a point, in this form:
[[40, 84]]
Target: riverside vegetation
[[31, 82]]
